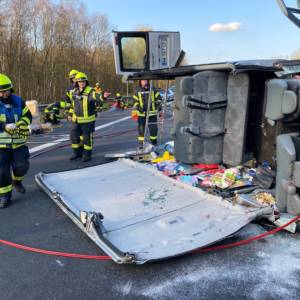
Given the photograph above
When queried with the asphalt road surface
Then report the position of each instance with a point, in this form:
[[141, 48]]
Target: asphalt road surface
[[266, 269]]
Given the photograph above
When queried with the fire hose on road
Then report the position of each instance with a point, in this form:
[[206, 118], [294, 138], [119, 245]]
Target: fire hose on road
[[105, 257]]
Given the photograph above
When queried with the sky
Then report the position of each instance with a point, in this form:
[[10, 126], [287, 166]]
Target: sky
[[211, 30]]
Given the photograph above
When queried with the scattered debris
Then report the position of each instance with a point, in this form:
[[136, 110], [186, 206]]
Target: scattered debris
[[265, 198], [285, 218]]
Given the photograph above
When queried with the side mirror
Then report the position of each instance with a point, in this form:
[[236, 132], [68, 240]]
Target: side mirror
[[137, 51]]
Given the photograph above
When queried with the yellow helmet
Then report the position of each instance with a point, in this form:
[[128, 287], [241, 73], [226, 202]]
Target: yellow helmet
[[80, 76], [73, 73], [118, 95], [5, 83]]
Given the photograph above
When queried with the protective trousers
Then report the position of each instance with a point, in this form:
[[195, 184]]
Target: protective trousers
[[152, 125], [82, 138], [14, 164]]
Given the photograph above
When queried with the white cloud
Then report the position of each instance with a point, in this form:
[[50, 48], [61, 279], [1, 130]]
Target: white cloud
[[219, 27]]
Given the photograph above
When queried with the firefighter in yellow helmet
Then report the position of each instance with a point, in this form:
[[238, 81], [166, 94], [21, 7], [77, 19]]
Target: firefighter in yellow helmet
[[83, 115], [100, 93], [15, 118], [98, 88], [65, 103], [140, 111]]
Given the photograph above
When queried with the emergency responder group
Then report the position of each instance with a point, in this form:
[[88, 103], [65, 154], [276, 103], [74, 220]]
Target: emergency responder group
[[81, 103]]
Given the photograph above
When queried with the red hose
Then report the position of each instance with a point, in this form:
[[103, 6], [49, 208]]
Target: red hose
[[105, 257], [54, 253], [249, 240]]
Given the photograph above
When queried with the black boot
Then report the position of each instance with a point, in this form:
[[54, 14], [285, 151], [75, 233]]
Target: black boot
[[19, 186], [140, 146], [5, 200], [77, 154], [154, 142], [86, 156]]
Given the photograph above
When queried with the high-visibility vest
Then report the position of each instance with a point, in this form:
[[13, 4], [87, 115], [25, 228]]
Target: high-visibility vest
[[83, 105], [141, 100]]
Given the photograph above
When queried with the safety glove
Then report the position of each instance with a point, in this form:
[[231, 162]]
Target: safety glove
[[22, 129], [10, 128]]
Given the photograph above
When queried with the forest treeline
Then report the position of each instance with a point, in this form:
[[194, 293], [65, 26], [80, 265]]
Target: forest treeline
[[41, 41]]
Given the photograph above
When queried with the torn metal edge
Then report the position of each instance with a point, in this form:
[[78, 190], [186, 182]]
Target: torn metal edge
[[93, 233]]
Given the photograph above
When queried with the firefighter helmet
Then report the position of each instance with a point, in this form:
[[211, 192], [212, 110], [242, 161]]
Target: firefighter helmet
[[80, 76], [5, 83], [73, 73]]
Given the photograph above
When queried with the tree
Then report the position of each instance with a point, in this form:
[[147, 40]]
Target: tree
[[42, 41]]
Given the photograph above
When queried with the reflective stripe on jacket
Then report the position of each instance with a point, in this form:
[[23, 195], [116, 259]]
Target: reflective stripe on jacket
[[141, 102], [83, 105], [56, 106], [14, 112]]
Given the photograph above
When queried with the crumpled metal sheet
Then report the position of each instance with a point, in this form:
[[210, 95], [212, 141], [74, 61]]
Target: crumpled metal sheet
[[147, 216]]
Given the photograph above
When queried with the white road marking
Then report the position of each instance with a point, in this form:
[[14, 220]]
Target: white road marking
[[47, 145], [112, 123], [55, 142]]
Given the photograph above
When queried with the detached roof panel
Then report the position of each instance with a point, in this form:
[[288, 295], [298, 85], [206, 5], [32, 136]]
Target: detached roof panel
[[146, 215]]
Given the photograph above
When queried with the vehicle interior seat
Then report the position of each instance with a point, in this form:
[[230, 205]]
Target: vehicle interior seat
[[282, 102], [236, 119], [288, 173], [184, 87], [283, 106], [199, 114]]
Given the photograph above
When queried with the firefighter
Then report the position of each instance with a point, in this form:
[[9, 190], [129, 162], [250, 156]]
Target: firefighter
[[15, 118], [51, 113], [140, 110], [98, 90], [83, 115], [72, 75], [65, 103]]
